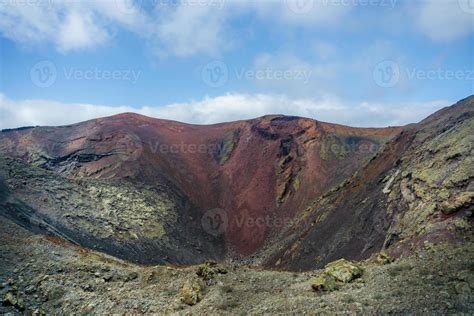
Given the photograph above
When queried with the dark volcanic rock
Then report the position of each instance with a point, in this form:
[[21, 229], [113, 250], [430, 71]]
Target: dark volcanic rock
[[139, 188], [290, 192], [397, 202]]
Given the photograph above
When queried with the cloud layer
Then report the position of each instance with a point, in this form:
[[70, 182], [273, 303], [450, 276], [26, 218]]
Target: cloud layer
[[187, 27], [220, 109]]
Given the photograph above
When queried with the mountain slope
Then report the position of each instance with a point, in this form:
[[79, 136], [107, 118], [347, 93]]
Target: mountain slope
[[157, 191], [284, 192], [418, 189]]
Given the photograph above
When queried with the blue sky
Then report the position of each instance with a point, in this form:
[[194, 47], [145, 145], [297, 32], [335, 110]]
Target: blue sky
[[355, 62]]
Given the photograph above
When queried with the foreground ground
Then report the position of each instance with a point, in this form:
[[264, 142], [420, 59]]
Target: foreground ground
[[41, 275]]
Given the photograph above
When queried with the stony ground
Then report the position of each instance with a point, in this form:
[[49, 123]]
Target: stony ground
[[44, 275]]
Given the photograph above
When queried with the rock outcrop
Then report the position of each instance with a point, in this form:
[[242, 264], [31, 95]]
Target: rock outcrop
[[417, 189], [283, 192], [141, 188]]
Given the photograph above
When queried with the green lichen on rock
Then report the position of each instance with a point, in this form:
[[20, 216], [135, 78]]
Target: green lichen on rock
[[332, 147], [335, 274], [13, 299], [296, 183], [343, 270], [103, 208], [383, 258], [464, 199], [226, 146], [281, 191], [447, 159], [208, 270], [436, 180], [324, 282], [191, 292]]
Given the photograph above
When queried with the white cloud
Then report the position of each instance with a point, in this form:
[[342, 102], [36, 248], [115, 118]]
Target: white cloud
[[187, 30], [445, 20], [224, 108], [68, 25], [80, 31], [188, 27], [300, 77], [299, 13], [183, 29]]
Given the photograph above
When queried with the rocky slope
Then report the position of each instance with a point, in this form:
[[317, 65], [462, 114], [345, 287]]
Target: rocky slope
[[419, 188], [279, 193], [49, 276], [156, 191]]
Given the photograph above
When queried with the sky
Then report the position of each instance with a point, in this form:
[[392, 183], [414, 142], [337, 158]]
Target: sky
[[368, 63]]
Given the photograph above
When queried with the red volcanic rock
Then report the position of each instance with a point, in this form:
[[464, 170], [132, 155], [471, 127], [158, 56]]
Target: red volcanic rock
[[396, 203], [261, 173]]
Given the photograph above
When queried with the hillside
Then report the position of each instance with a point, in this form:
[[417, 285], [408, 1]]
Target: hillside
[[272, 215], [145, 189], [418, 189]]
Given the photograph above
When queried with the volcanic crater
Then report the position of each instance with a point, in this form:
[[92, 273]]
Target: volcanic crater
[[279, 191]]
